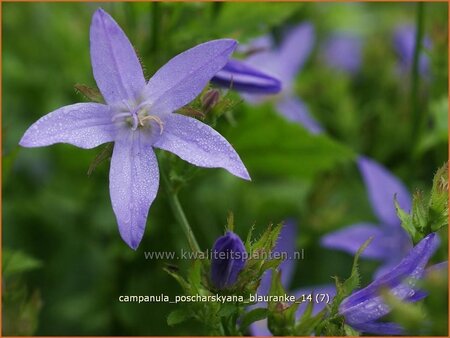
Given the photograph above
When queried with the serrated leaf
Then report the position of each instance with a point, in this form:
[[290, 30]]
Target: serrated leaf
[[272, 146], [345, 288], [406, 220], [419, 212], [438, 209], [252, 316]]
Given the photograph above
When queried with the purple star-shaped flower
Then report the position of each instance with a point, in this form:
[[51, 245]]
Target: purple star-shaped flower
[[365, 307], [390, 241], [286, 244], [282, 63], [138, 116]]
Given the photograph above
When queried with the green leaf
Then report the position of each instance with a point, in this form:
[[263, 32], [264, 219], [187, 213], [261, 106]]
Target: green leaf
[[350, 284], [253, 316], [406, 220], [17, 262], [438, 209], [178, 316], [272, 146]]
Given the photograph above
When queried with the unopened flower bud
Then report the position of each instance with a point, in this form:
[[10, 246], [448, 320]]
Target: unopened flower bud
[[228, 259]]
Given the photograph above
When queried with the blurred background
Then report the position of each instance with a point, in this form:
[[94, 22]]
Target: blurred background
[[64, 263]]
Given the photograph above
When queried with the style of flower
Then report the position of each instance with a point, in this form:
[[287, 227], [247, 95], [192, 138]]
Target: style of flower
[[390, 241], [286, 246], [404, 41], [228, 259], [365, 307], [342, 51], [138, 116], [283, 63]]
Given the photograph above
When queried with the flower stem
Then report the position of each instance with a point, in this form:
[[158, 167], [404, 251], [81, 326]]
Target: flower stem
[[417, 115], [179, 214]]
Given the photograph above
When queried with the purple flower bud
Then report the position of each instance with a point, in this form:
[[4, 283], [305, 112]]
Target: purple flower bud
[[228, 259], [239, 76]]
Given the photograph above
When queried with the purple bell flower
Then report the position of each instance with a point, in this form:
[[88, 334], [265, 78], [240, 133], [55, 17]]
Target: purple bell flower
[[139, 116], [239, 76], [404, 40], [228, 259], [390, 241], [365, 307], [342, 51]]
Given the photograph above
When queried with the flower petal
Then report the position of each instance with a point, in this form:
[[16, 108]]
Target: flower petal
[[350, 239], [380, 328], [115, 64], [260, 329], [199, 144], [85, 125], [296, 48], [366, 305], [181, 79], [295, 110], [243, 78], [382, 186], [133, 184]]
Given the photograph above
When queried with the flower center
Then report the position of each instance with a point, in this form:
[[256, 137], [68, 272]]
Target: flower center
[[137, 117]]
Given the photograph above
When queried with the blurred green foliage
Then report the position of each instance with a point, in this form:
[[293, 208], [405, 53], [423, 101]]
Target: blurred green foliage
[[56, 214]]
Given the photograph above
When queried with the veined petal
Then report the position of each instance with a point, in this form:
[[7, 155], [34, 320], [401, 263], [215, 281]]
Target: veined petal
[[199, 144], [295, 110], [350, 239], [181, 79], [296, 48], [85, 125], [133, 184], [367, 305], [382, 186], [243, 78], [115, 64]]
